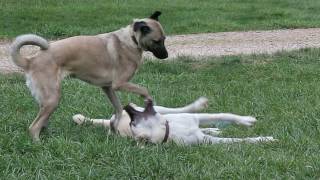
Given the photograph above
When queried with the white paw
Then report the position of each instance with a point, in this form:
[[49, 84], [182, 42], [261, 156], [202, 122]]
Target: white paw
[[133, 105], [247, 120], [211, 131], [79, 119], [260, 139], [266, 139], [201, 103]]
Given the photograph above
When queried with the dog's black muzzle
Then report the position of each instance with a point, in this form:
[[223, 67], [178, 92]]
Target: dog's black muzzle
[[159, 52]]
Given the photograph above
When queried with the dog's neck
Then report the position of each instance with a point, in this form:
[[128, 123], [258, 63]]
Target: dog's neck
[[124, 36], [128, 37], [134, 39], [163, 133]]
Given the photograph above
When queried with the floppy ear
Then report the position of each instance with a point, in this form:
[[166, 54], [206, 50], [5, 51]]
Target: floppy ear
[[155, 15], [131, 111], [149, 108], [142, 26]]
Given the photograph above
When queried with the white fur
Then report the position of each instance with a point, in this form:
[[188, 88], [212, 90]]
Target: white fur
[[184, 125], [79, 119], [33, 87]]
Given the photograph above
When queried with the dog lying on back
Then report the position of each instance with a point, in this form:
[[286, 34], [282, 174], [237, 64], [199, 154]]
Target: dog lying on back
[[157, 124]]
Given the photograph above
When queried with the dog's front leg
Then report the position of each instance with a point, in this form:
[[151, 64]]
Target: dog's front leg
[[80, 119], [207, 119], [134, 88], [116, 104]]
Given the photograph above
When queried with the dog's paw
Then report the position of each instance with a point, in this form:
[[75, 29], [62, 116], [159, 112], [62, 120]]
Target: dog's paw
[[247, 120], [200, 103], [211, 131], [79, 119], [266, 139], [133, 105]]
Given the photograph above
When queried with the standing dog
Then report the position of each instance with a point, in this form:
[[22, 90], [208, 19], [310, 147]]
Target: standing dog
[[158, 124], [106, 60]]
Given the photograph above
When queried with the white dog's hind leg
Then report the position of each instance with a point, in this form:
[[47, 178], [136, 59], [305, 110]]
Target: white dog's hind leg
[[80, 119], [205, 118], [211, 131], [195, 106], [215, 140]]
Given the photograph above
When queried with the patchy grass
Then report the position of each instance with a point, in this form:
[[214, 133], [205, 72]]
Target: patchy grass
[[282, 90], [62, 18]]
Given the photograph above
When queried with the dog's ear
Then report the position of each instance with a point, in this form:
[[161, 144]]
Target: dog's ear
[[142, 26], [131, 111], [149, 108], [155, 15]]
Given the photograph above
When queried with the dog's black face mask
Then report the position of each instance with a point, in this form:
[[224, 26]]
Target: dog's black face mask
[[158, 49], [152, 36]]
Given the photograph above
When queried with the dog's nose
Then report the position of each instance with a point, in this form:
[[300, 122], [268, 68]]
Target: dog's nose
[[162, 54]]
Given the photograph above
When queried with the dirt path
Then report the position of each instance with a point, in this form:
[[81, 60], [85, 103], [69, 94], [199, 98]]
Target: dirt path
[[213, 44]]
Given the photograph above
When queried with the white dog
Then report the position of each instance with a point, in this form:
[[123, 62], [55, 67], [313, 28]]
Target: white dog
[[157, 124]]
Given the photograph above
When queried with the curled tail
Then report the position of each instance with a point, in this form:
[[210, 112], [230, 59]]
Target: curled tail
[[28, 39]]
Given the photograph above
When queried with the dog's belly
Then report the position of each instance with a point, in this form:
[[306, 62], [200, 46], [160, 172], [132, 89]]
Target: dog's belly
[[184, 128], [98, 79], [95, 72]]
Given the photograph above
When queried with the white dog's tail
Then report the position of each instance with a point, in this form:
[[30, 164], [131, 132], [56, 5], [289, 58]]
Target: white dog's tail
[[28, 39]]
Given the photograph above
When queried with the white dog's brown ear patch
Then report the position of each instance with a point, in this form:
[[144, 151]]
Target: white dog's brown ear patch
[[149, 110], [131, 112], [155, 15]]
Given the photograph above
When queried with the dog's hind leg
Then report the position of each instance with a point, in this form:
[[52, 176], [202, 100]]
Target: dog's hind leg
[[215, 140], [47, 107], [207, 119], [46, 89], [195, 106], [41, 121], [211, 131], [80, 119]]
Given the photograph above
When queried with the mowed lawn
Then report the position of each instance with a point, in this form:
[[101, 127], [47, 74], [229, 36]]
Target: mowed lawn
[[281, 90], [63, 18]]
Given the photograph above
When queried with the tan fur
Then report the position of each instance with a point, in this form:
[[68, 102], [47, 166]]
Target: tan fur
[[107, 60]]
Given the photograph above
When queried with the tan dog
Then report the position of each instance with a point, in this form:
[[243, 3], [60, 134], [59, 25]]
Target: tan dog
[[106, 60]]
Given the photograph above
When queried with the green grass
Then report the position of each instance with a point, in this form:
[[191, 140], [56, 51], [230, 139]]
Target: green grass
[[282, 90], [61, 18]]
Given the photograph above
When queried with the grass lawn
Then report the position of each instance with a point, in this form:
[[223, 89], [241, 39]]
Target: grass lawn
[[61, 18], [281, 90]]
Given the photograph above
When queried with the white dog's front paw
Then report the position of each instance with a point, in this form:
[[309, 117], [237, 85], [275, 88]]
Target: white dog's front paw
[[133, 105], [201, 103], [79, 119], [247, 120]]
